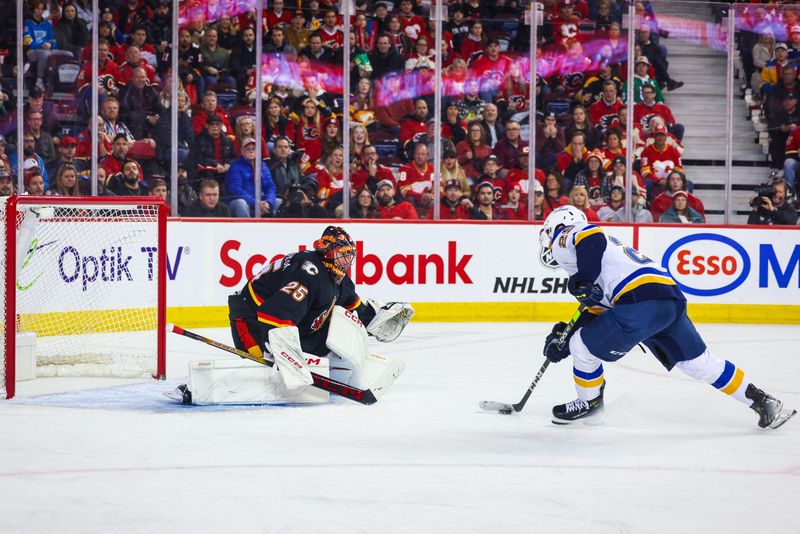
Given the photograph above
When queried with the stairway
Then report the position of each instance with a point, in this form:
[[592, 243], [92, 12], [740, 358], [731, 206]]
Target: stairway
[[700, 105]]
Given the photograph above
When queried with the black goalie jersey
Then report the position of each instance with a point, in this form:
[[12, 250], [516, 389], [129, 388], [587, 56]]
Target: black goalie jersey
[[296, 290]]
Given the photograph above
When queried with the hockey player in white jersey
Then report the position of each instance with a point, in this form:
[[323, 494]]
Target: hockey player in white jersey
[[629, 300]]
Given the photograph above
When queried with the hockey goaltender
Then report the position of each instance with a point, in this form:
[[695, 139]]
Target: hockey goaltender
[[303, 312]]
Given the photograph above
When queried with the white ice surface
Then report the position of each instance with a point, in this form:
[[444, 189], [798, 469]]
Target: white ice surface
[[673, 455]]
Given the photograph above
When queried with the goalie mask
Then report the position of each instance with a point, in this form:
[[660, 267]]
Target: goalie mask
[[337, 251], [558, 219]]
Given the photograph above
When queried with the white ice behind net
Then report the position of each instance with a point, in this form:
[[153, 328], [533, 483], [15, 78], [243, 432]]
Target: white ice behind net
[[87, 287]]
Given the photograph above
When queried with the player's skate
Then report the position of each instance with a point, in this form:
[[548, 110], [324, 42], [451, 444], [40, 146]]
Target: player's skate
[[771, 413], [580, 410], [180, 394]]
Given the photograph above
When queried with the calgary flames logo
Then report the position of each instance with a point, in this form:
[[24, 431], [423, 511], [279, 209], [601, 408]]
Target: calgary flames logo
[[574, 80], [662, 168], [569, 30], [606, 121], [645, 120], [322, 317]]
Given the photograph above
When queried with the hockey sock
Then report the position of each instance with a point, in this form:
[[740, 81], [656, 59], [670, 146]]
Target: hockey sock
[[721, 374], [733, 381], [587, 370], [587, 384]]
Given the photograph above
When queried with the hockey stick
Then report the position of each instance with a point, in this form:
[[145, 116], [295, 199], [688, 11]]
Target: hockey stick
[[363, 396], [505, 408]]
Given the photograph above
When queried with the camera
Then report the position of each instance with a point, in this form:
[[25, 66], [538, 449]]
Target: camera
[[766, 191], [296, 197], [763, 191], [296, 194]]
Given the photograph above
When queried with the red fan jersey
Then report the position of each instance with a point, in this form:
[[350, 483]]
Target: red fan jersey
[[499, 185], [334, 39], [573, 72], [520, 213], [109, 68], [663, 202], [793, 144], [199, 121], [414, 26], [565, 29], [401, 210], [411, 129], [643, 114], [602, 115], [274, 19], [448, 213], [359, 178], [126, 73], [329, 185], [471, 49], [483, 67], [657, 164], [414, 182]]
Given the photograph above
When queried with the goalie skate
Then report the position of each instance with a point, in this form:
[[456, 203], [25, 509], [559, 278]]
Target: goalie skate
[[580, 410], [180, 394], [771, 412]]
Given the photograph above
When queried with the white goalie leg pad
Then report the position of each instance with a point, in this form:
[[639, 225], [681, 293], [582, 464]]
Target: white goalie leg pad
[[246, 382], [284, 344], [351, 360], [378, 372], [347, 338]]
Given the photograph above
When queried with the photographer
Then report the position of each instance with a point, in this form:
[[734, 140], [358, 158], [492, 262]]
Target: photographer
[[772, 205], [299, 204]]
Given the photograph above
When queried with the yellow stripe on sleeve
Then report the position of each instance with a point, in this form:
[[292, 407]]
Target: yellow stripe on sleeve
[[256, 298], [586, 233]]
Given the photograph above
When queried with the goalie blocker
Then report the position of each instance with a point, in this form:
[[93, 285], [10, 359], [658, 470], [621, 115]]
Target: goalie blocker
[[349, 361]]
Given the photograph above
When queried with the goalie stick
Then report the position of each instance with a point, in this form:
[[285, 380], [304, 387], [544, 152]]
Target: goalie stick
[[363, 396], [505, 408]]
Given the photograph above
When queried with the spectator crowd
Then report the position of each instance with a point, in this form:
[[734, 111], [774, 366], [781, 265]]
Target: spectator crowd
[[769, 44], [580, 117]]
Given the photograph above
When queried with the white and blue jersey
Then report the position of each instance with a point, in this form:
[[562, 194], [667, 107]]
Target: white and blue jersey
[[641, 301], [584, 251], [641, 304]]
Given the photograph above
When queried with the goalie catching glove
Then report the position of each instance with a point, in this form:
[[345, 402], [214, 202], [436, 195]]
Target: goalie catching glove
[[390, 319]]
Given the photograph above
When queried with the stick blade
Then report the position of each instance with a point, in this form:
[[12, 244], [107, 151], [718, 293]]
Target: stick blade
[[493, 406]]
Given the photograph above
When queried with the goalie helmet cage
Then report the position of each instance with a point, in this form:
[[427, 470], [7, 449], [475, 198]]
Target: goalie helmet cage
[[87, 276]]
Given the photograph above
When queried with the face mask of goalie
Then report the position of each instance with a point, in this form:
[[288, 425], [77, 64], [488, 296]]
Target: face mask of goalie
[[342, 261]]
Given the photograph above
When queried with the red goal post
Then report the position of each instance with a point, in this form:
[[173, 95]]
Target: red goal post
[[84, 286]]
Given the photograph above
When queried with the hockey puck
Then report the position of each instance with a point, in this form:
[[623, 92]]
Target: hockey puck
[[505, 411]]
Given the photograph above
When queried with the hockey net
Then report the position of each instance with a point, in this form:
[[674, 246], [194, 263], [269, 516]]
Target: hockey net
[[85, 279]]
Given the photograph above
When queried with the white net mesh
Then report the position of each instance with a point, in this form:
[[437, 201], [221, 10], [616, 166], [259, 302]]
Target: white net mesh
[[87, 286]]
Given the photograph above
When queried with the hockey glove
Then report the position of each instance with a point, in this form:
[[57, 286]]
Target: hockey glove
[[552, 350], [587, 294], [390, 319]]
